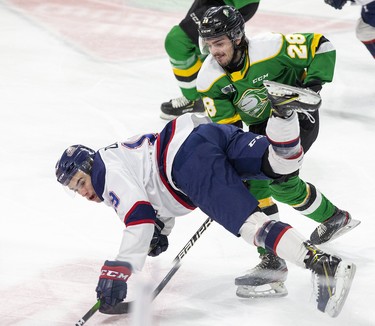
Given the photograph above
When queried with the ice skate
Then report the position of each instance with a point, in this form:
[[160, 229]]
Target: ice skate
[[337, 225], [264, 280], [178, 106], [332, 279], [285, 99]]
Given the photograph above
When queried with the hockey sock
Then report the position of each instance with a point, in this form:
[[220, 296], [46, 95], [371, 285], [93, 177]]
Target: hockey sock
[[316, 206], [303, 197], [283, 135], [282, 240]]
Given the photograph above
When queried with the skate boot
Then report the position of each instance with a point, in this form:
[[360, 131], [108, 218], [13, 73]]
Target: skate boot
[[264, 280], [337, 225], [285, 99], [178, 106], [332, 279]]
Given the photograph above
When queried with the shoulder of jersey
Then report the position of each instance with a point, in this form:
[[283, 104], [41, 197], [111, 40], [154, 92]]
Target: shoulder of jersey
[[265, 46], [261, 47], [209, 73]]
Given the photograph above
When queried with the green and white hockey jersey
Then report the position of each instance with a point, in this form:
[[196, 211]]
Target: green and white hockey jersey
[[288, 59]]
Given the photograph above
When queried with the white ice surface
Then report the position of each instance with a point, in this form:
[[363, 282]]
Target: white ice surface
[[54, 93]]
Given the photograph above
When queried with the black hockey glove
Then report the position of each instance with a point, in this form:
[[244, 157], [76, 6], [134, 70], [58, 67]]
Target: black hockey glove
[[159, 242], [112, 287], [337, 4], [315, 85]]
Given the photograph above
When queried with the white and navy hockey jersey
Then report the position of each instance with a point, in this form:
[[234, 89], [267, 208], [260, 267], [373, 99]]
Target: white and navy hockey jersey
[[134, 177]]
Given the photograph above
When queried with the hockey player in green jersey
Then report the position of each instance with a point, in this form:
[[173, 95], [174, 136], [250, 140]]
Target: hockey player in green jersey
[[231, 84], [181, 45], [231, 81]]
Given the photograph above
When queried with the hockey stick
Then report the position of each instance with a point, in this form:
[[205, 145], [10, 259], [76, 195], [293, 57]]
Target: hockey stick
[[181, 254], [124, 307], [89, 314]]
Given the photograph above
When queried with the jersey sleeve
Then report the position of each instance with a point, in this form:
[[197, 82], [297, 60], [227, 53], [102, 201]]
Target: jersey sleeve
[[129, 199], [323, 60], [135, 244], [311, 52], [168, 224]]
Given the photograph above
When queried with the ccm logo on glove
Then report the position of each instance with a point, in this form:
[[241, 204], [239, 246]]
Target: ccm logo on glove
[[115, 273]]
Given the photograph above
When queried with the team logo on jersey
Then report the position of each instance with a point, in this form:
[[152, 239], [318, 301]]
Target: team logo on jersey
[[253, 101]]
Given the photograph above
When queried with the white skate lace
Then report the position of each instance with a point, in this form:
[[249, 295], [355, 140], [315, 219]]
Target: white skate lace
[[321, 229], [300, 110], [179, 102], [261, 266], [308, 115]]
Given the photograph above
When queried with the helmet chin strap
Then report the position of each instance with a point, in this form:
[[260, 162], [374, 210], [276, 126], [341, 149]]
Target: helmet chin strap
[[239, 54]]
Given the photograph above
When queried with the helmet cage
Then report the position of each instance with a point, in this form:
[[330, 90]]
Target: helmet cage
[[203, 47]]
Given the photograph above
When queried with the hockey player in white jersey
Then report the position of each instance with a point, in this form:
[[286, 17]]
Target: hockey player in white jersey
[[193, 163]]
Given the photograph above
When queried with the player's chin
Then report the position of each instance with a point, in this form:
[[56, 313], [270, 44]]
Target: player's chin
[[223, 61]]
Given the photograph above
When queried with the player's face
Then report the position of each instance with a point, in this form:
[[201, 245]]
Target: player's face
[[81, 183], [221, 48]]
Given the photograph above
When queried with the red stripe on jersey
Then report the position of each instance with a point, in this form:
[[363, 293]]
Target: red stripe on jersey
[[162, 177], [141, 222]]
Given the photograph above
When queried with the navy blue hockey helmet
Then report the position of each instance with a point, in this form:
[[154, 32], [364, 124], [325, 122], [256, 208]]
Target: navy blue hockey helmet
[[74, 158], [223, 20]]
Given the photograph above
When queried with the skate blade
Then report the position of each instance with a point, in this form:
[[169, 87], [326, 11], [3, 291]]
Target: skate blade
[[271, 290], [350, 226], [344, 277], [304, 95], [168, 117]]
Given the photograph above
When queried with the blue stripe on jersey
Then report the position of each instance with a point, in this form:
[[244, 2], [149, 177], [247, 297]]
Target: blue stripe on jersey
[[98, 175], [287, 144], [164, 139], [141, 212]]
